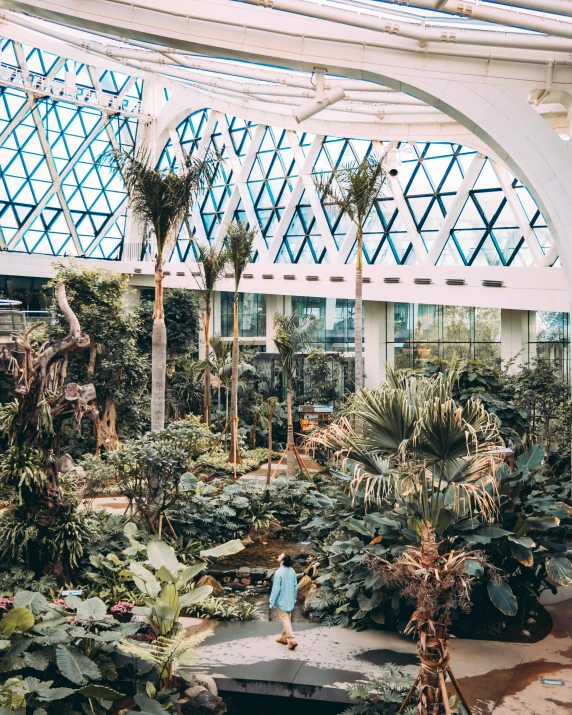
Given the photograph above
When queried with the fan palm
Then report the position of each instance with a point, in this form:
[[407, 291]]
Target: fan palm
[[437, 460], [354, 188], [239, 240], [161, 201], [292, 335], [212, 262]]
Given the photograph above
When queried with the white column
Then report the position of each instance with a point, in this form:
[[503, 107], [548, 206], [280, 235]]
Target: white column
[[514, 337], [274, 304], [375, 342]]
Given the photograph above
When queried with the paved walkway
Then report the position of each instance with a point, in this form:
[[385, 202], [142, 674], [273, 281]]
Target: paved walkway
[[499, 678]]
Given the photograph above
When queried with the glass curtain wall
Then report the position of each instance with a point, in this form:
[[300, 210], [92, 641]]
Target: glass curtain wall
[[334, 318], [417, 333], [549, 337], [251, 315]]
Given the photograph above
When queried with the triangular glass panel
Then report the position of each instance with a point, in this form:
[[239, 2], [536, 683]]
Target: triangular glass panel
[[450, 255], [487, 254], [470, 217]]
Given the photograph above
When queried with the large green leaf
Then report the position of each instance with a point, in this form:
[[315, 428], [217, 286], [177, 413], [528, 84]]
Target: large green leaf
[[543, 523], [503, 598], [197, 595], [357, 525], [144, 579], [75, 666], [100, 692], [227, 549], [20, 619], [559, 570], [190, 572], [93, 609], [521, 553], [38, 660], [149, 705], [161, 554], [32, 600], [531, 459]]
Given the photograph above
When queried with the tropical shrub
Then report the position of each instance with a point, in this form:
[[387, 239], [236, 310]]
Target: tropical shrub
[[382, 695]]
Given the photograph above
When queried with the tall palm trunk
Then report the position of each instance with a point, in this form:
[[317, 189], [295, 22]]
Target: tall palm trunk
[[433, 640], [234, 455], [290, 456], [207, 375], [358, 329], [269, 472], [158, 353]]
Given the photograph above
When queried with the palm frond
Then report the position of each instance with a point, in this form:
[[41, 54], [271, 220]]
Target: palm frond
[[161, 200], [239, 241], [353, 187]]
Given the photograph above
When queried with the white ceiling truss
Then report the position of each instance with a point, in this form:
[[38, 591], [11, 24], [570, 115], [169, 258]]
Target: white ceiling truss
[[339, 249]]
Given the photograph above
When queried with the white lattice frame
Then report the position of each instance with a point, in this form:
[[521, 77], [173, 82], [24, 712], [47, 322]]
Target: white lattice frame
[[242, 167]]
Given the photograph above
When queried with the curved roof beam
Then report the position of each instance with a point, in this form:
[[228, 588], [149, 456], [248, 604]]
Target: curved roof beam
[[422, 35], [335, 32], [509, 18], [556, 7]]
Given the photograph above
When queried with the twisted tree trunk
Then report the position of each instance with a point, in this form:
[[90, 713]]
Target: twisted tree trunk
[[158, 352]]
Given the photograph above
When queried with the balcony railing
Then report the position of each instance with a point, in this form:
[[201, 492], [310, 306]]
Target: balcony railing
[[58, 89]]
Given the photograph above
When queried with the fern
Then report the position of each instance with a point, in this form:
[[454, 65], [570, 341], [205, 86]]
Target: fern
[[165, 651], [382, 695]]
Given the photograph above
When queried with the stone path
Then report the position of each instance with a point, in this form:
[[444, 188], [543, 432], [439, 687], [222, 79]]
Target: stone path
[[499, 678]]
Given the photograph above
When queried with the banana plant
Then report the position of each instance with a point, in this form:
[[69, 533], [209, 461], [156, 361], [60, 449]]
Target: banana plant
[[166, 587]]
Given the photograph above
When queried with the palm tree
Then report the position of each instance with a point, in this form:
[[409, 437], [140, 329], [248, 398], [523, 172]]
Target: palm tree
[[161, 201], [354, 188], [213, 262], [419, 451], [239, 240], [292, 335]]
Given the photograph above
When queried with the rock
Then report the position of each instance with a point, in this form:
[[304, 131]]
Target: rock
[[218, 590], [257, 573], [304, 588], [526, 633], [207, 682], [531, 620], [237, 587], [204, 704], [247, 540], [309, 598], [194, 691], [245, 581], [243, 572], [269, 574]]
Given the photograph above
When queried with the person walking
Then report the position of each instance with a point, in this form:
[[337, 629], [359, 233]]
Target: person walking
[[283, 598]]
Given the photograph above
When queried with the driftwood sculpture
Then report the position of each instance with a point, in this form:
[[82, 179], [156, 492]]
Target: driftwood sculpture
[[44, 400]]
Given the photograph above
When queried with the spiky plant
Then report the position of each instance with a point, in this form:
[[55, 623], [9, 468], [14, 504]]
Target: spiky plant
[[166, 652], [161, 200], [292, 335], [438, 461], [353, 188], [239, 241], [212, 262]]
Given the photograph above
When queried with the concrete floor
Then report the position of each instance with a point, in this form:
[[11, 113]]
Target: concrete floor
[[499, 678]]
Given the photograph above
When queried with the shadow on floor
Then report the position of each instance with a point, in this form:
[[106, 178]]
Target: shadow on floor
[[239, 704]]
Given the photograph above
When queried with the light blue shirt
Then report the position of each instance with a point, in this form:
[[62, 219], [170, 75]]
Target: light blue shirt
[[284, 589]]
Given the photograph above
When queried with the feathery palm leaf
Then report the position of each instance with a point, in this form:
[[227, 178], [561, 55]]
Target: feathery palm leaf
[[353, 187], [239, 241], [162, 201]]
